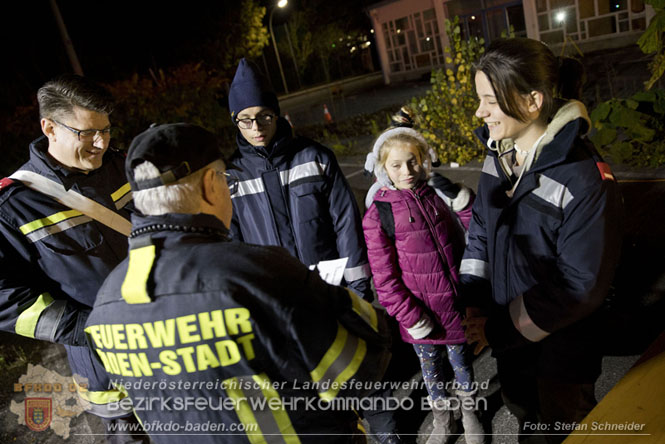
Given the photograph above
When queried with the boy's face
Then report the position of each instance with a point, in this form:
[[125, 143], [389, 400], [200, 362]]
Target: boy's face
[[257, 125]]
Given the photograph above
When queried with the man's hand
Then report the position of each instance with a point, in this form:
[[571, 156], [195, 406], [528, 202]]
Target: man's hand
[[475, 331]]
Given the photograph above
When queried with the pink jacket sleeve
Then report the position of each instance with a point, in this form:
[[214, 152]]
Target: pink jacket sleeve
[[393, 294], [464, 214]]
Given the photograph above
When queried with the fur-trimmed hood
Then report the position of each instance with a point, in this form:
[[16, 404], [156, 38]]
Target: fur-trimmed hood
[[568, 112]]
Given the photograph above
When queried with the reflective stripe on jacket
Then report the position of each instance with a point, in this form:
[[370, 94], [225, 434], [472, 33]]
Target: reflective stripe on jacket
[[296, 197], [232, 326], [544, 258], [54, 259]]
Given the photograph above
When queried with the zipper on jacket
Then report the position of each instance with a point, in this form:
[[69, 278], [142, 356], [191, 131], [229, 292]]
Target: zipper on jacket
[[446, 265]]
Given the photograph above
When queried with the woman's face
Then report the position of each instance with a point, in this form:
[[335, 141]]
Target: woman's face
[[403, 167], [501, 126]]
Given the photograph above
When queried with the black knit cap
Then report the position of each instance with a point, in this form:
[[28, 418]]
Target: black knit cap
[[249, 89], [176, 149]]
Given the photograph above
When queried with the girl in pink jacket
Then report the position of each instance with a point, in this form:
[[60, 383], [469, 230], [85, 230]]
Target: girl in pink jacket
[[415, 244]]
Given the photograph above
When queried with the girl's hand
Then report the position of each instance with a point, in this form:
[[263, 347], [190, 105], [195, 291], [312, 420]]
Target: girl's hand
[[475, 332]]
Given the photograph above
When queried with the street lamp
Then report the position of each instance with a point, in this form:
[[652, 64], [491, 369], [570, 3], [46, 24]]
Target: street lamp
[[280, 4]]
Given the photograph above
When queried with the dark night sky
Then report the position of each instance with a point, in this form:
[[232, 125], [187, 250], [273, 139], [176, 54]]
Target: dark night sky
[[112, 38]]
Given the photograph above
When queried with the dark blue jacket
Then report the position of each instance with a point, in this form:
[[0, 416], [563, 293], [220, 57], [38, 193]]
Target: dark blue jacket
[[542, 260], [230, 325], [293, 194], [54, 259]]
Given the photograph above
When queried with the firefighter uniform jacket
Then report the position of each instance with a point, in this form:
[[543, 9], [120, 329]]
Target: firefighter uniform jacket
[[215, 336], [542, 260], [294, 195], [54, 259]]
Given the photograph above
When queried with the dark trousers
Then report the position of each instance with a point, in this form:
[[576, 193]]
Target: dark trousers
[[545, 407]]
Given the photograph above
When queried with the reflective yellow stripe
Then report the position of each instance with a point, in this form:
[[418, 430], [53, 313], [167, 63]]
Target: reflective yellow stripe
[[27, 321], [348, 372], [331, 355], [49, 220], [338, 365], [134, 288], [244, 411], [121, 192], [365, 310], [280, 415], [103, 397]]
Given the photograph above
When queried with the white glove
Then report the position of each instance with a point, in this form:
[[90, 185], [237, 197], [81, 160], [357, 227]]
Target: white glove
[[421, 328]]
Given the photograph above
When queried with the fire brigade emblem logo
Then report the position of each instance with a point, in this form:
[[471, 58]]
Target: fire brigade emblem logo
[[38, 413]]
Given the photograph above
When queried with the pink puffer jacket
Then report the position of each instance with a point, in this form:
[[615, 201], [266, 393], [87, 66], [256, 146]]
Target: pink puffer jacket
[[418, 271]]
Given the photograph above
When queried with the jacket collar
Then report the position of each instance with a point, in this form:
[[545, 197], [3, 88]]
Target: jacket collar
[[277, 147], [570, 120], [194, 222], [391, 194], [44, 164]]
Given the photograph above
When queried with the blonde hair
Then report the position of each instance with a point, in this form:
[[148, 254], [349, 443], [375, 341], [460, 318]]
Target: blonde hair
[[416, 145]]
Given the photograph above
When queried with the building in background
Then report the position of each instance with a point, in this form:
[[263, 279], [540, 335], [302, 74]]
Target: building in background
[[411, 37]]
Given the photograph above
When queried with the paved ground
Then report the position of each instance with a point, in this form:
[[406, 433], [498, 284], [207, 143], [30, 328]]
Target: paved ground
[[641, 288]]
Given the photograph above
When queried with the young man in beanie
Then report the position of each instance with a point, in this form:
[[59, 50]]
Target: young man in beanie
[[226, 341], [291, 192]]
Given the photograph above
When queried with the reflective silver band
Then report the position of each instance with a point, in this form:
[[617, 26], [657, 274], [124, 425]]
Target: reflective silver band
[[247, 187], [264, 418], [553, 192], [49, 320], [57, 228], [523, 322], [303, 171], [489, 167], [123, 201], [475, 267], [355, 273]]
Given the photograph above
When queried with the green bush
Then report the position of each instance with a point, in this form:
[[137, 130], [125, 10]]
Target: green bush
[[632, 131], [446, 114], [187, 93]]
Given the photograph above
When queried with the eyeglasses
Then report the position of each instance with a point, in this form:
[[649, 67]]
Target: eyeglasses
[[261, 120], [89, 134], [231, 181]]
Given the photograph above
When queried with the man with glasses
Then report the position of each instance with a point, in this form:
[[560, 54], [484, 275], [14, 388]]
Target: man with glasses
[[63, 227], [292, 192], [253, 347]]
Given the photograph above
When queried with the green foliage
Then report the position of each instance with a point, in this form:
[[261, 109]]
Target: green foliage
[[187, 93], [653, 41], [241, 34], [632, 131], [446, 114], [301, 40]]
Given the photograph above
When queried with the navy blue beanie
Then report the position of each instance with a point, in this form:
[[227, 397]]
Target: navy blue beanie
[[249, 89]]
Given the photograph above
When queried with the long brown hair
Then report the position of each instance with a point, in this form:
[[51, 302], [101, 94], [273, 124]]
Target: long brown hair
[[516, 67]]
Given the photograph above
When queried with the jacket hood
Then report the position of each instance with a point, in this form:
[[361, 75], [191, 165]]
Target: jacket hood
[[372, 160]]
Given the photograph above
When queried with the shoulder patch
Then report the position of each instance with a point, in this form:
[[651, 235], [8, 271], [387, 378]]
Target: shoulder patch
[[605, 171], [5, 182]]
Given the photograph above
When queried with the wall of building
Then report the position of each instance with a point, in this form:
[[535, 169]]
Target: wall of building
[[409, 36], [568, 26]]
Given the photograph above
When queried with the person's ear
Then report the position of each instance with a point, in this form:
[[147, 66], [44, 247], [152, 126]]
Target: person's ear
[[210, 186], [535, 101], [48, 128]]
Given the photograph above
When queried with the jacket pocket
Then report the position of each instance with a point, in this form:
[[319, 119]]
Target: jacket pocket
[[76, 240], [309, 201]]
